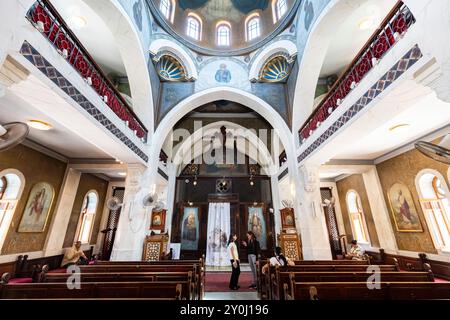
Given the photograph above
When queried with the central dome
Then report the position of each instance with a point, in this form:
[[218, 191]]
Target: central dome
[[224, 27]]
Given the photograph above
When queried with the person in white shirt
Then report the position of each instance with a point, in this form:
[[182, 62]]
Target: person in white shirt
[[278, 260], [356, 252], [234, 258]]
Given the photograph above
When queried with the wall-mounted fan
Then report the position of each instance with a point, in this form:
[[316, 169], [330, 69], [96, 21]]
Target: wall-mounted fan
[[329, 202], [114, 204], [287, 203], [150, 200], [12, 134], [436, 152]]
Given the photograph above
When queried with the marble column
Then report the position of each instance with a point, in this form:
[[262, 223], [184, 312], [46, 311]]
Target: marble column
[[310, 218], [276, 201], [172, 172], [58, 228], [134, 218], [379, 210]]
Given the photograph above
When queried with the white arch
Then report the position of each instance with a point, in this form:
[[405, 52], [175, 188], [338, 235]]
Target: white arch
[[134, 56], [223, 93], [286, 46], [263, 157], [434, 173], [7, 219], [313, 57], [171, 46]]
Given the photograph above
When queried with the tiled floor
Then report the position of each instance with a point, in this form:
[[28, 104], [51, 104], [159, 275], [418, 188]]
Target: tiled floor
[[231, 296]]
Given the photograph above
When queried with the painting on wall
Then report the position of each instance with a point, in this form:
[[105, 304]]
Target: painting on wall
[[257, 224], [287, 218], [190, 228], [37, 209], [403, 209], [158, 220]]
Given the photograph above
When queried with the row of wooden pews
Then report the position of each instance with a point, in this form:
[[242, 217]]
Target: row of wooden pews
[[348, 279], [169, 279]]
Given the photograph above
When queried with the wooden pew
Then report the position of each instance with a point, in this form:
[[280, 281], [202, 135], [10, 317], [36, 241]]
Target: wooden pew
[[331, 262], [280, 278], [268, 277], [360, 291], [96, 290], [198, 275]]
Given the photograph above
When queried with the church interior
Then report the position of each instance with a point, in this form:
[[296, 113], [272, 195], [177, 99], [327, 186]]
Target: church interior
[[224, 149]]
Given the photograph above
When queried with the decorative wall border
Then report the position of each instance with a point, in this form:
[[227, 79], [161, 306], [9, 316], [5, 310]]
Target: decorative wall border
[[406, 62], [163, 174], [283, 174], [32, 55]]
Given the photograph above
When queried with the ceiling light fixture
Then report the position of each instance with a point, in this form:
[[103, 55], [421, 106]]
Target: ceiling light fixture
[[366, 23], [399, 127], [78, 22], [39, 125], [122, 174]]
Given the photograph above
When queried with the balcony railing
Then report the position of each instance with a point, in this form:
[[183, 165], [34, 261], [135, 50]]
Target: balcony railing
[[391, 30], [47, 20]]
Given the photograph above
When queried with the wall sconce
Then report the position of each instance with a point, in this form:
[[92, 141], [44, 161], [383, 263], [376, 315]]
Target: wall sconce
[[252, 183], [195, 181]]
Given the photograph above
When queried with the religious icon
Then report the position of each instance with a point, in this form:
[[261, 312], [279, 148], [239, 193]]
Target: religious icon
[[158, 220], [190, 229], [403, 210], [287, 218], [223, 75], [37, 208], [257, 224]]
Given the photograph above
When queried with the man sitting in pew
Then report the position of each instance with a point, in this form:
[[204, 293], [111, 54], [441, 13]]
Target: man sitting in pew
[[74, 255], [356, 252]]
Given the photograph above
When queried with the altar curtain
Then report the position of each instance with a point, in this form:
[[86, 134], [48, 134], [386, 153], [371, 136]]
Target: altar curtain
[[218, 232]]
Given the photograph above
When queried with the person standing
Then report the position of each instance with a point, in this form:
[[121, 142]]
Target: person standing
[[252, 252], [234, 258]]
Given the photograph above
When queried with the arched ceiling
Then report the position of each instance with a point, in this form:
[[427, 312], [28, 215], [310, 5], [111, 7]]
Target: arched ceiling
[[234, 13]]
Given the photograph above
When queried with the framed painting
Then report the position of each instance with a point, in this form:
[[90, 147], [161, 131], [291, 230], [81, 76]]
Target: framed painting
[[37, 209], [158, 220], [257, 223], [403, 210], [287, 218], [190, 228]]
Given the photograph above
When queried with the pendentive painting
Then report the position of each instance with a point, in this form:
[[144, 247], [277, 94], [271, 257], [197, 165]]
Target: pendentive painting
[[190, 228], [37, 209], [257, 224], [403, 209]]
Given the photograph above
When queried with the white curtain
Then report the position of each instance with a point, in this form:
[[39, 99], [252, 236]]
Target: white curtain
[[218, 234]]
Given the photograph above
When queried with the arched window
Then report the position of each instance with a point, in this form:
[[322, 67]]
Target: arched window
[[279, 8], [167, 8], [194, 27], [434, 199], [223, 34], [12, 183], [253, 29], [356, 214], [88, 211]]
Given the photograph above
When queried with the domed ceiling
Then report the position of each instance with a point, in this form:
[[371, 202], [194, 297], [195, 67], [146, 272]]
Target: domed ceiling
[[231, 12]]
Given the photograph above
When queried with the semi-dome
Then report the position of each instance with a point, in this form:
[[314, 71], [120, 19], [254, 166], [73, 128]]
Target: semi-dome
[[224, 27]]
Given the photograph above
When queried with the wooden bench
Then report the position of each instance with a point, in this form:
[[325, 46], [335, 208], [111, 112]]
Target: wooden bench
[[197, 273], [96, 290], [360, 291], [266, 280], [280, 278]]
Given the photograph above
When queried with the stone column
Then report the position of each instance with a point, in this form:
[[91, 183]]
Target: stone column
[[276, 201], [63, 210], [310, 218], [134, 218], [379, 210], [172, 172]]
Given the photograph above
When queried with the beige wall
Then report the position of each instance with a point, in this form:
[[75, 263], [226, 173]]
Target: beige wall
[[404, 169], [356, 182], [36, 167], [88, 182]]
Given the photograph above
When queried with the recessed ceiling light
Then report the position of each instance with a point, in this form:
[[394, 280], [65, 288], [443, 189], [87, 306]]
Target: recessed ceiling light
[[39, 125], [122, 174], [78, 22], [399, 127], [366, 23]]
